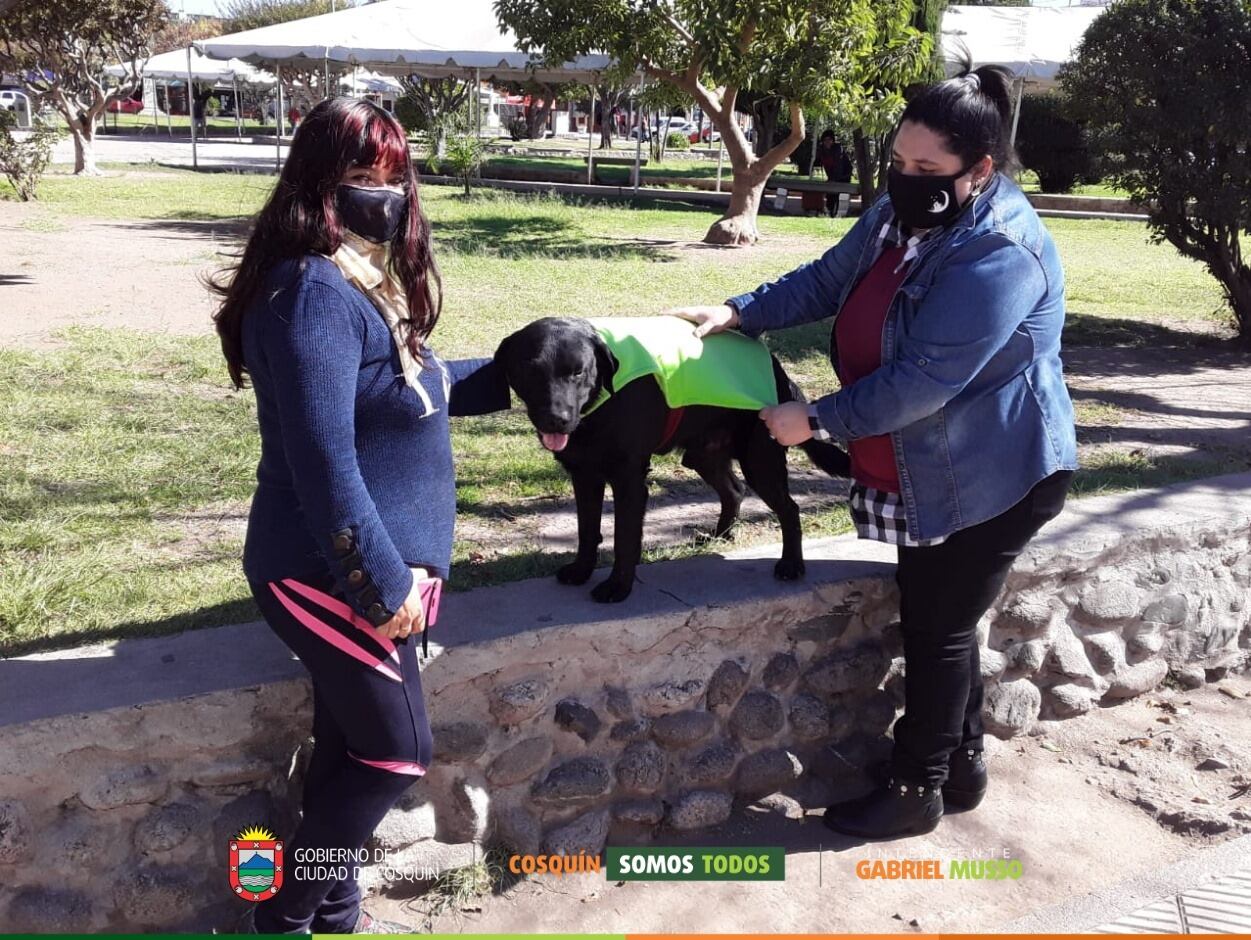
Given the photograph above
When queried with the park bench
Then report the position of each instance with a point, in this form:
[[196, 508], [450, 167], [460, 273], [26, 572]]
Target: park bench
[[805, 184], [613, 161]]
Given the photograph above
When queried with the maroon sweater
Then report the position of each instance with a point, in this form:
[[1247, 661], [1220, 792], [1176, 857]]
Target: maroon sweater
[[858, 333]]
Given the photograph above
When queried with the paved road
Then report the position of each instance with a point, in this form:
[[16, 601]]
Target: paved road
[[176, 151]]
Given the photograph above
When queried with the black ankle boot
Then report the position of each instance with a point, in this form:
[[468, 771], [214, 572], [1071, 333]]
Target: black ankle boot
[[901, 808], [966, 779]]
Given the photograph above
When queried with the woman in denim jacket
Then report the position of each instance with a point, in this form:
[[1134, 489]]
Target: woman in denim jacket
[[948, 302]]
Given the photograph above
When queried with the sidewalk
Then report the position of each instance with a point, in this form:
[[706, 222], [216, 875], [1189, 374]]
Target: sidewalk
[[1208, 892]]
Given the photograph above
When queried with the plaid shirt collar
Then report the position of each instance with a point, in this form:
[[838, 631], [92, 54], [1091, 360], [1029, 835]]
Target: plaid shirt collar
[[894, 234]]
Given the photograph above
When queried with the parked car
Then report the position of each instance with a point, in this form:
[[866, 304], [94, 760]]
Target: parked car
[[677, 125], [710, 135], [125, 106], [12, 100]]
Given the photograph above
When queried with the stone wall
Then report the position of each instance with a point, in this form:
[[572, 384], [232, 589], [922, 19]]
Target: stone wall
[[561, 725]]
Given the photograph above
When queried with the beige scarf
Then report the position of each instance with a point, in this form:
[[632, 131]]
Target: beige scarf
[[365, 264]]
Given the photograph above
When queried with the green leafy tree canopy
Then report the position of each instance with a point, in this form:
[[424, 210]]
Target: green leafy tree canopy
[[802, 52], [1164, 87], [60, 48]]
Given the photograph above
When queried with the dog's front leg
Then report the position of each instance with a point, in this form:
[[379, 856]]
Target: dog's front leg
[[629, 494], [588, 494]]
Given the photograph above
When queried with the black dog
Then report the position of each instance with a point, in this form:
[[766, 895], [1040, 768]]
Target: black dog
[[559, 365]]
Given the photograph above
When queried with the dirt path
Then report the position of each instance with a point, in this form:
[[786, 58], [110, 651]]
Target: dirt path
[[1089, 803], [144, 275]]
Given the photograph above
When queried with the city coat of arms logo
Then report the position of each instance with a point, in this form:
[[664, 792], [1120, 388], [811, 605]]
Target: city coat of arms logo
[[255, 864]]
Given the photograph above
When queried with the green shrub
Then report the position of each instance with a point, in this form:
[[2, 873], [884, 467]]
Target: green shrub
[[410, 114], [463, 156], [677, 141], [1162, 86], [1052, 144], [23, 160]]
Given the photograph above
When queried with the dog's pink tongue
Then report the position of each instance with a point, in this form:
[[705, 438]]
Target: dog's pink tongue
[[554, 441]]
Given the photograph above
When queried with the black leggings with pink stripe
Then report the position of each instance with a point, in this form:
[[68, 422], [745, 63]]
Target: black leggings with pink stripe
[[372, 741]]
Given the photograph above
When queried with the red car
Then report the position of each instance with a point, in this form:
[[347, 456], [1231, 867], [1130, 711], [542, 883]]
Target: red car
[[125, 106]]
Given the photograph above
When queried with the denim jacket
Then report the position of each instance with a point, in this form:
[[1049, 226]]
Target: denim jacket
[[971, 387]]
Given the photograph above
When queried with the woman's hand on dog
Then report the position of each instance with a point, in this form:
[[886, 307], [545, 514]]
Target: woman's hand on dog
[[787, 423], [708, 320]]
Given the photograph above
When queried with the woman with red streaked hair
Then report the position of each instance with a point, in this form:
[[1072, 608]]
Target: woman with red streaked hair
[[328, 314]]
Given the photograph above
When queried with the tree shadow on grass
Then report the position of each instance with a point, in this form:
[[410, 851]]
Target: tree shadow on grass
[[1083, 329], [536, 236], [191, 224], [1148, 404]]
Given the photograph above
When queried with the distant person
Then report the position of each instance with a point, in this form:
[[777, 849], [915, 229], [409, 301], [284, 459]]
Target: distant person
[[293, 118], [329, 315], [837, 165]]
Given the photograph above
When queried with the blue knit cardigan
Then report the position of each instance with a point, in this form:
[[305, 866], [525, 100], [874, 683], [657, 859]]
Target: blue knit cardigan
[[352, 478]]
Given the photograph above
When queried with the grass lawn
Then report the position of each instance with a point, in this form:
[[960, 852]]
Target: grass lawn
[[218, 126], [126, 461]]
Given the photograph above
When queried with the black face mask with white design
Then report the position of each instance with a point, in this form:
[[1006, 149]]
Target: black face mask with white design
[[371, 212], [924, 200]]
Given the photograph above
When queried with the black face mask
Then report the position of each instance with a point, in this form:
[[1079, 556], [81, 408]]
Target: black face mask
[[372, 213], [924, 201]]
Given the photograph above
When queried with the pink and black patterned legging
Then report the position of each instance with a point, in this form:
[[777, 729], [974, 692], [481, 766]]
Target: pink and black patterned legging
[[372, 739]]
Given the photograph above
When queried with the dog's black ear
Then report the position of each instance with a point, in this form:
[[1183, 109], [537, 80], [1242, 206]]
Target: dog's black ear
[[501, 353], [605, 363]]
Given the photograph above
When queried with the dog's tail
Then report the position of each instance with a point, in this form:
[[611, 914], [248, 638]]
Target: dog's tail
[[828, 458]]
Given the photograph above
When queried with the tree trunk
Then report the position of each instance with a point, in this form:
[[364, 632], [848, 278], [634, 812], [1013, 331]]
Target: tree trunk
[[865, 169], [765, 117], [1240, 300], [751, 173], [536, 118], [1235, 278], [738, 225], [885, 145], [84, 134]]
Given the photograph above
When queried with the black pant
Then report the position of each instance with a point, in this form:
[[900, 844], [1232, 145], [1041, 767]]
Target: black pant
[[944, 590], [371, 741]]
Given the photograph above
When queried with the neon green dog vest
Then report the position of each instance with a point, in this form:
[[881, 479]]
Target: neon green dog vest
[[728, 370]]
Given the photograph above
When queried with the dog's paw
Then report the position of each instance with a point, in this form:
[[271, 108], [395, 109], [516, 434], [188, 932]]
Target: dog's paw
[[611, 591], [789, 569], [575, 572]]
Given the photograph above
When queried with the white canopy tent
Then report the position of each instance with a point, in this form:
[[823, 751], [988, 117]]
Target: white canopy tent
[[430, 38], [190, 65], [1032, 42], [365, 80], [173, 65]]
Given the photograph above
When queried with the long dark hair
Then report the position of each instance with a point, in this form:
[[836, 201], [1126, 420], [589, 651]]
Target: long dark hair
[[300, 217], [972, 110]]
